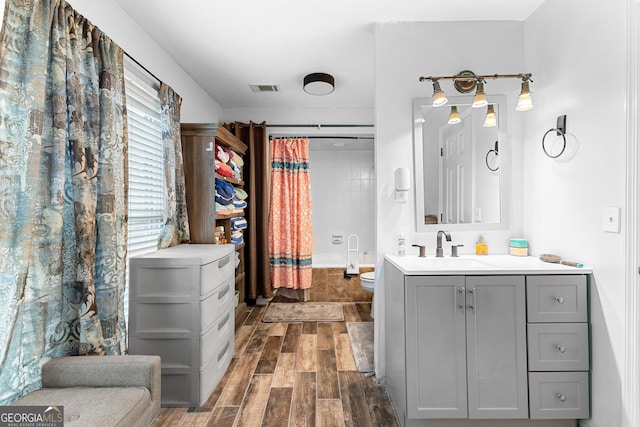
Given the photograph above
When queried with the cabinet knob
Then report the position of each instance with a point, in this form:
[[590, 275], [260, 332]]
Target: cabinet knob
[[559, 300], [561, 397], [561, 349]]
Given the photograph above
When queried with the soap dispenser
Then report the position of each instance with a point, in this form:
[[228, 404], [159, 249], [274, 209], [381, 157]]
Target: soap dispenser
[[401, 244], [481, 246]]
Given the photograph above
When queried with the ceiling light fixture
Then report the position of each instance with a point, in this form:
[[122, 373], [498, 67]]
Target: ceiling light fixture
[[454, 117], [319, 84], [439, 98], [490, 120]]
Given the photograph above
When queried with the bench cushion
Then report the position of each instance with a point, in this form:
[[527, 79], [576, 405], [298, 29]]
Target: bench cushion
[[96, 406]]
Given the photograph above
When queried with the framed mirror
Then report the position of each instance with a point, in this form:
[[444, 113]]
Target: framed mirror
[[461, 170]]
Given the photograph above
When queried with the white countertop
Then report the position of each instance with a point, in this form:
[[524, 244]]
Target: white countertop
[[413, 265]]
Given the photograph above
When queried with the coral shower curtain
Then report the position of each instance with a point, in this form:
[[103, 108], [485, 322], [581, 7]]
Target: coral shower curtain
[[290, 232]]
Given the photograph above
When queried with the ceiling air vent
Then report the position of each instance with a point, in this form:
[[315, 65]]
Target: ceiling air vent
[[264, 88]]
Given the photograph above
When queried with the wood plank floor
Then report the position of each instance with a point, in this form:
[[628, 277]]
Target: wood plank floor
[[291, 374]]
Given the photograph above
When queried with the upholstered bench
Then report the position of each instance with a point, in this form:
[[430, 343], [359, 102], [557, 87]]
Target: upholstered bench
[[101, 390]]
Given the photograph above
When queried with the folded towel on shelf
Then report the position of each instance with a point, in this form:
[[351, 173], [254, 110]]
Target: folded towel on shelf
[[237, 233], [237, 159], [237, 259], [223, 169], [237, 172], [224, 209], [240, 193], [224, 188], [237, 241], [238, 223], [221, 154], [225, 201], [239, 204], [225, 197]]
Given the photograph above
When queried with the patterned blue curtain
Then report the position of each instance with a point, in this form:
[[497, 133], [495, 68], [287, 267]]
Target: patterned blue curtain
[[176, 227], [63, 204]]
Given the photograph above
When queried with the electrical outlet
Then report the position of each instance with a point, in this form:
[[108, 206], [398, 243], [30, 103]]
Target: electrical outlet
[[401, 196], [611, 219], [478, 215]]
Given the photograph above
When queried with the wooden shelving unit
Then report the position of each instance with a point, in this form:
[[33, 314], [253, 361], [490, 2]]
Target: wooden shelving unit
[[198, 152]]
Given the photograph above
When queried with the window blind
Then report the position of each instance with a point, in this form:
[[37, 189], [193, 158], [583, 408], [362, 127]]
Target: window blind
[[146, 161]]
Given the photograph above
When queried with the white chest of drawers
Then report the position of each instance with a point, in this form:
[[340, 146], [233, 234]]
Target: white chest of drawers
[[181, 302]]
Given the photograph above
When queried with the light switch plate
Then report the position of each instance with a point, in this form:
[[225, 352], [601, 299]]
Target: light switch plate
[[611, 219]]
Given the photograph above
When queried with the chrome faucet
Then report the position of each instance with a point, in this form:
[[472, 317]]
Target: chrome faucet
[[439, 251]]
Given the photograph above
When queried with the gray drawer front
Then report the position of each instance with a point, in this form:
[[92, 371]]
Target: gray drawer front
[[215, 273], [558, 346], [557, 298], [559, 395]]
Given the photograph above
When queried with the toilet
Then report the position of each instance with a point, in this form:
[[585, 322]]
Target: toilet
[[367, 280]]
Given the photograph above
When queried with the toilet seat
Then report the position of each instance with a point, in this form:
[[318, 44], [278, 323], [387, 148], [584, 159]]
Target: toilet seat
[[370, 275], [367, 280]]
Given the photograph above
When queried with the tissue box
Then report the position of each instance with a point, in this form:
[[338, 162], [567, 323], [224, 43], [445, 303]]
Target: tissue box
[[518, 247]]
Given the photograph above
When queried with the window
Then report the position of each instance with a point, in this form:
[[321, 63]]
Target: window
[[146, 160]]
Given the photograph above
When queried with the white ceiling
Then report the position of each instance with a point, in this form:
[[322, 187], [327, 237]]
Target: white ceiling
[[227, 45]]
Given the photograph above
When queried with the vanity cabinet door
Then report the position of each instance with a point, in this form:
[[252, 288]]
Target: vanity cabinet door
[[496, 347], [435, 345]]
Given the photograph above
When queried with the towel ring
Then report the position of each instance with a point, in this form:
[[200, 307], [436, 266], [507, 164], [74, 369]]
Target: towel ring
[[560, 129], [486, 158], [564, 143]]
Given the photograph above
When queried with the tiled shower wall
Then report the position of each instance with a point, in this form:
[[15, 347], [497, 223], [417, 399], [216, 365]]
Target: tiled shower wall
[[343, 200]]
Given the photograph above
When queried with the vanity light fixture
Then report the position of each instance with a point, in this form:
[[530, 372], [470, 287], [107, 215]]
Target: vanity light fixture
[[454, 116], [465, 81], [525, 103], [480, 100], [439, 98], [490, 120]]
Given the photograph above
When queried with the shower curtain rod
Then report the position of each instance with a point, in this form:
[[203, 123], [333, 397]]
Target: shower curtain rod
[[319, 126], [321, 137]]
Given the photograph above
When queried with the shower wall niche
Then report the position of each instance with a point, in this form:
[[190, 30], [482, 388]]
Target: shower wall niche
[[343, 199]]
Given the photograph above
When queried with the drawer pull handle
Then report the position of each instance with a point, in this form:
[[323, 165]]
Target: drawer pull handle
[[559, 300], [561, 349], [224, 322], [224, 292], [223, 352], [223, 261], [561, 397]]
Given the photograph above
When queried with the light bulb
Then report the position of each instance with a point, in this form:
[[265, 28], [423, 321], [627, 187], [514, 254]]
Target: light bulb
[[490, 120], [525, 103], [480, 100], [439, 98], [454, 117]]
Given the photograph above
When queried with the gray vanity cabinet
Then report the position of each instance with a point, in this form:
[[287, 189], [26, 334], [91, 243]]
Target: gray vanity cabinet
[[466, 347], [559, 361], [436, 342]]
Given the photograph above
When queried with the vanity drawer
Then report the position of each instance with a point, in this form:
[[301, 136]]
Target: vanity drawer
[[558, 395], [557, 298], [558, 346]]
